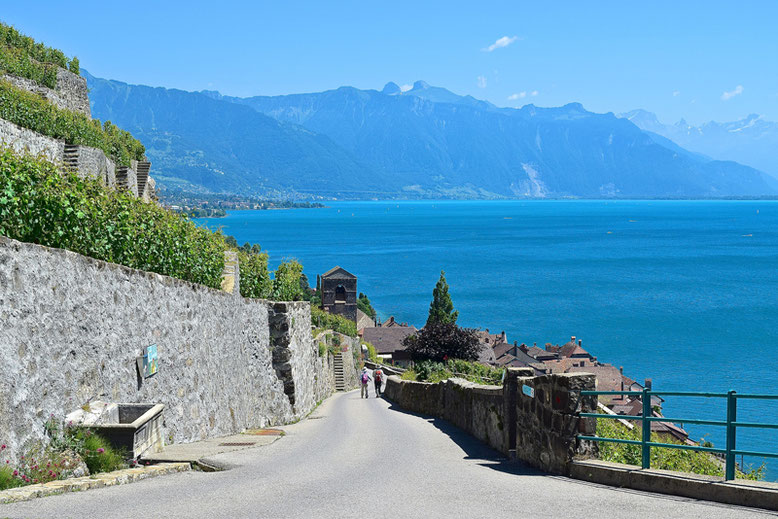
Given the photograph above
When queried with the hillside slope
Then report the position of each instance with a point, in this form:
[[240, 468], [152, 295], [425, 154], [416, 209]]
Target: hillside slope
[[434, 141], [751, 140], [196, 142], [426, 142]]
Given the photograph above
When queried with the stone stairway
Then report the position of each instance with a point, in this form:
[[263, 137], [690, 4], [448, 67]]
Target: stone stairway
[[121, 177], [143, 176], [340, 376], [70, 157]]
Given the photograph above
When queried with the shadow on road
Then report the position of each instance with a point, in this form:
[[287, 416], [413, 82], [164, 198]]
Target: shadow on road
[[474, 449]]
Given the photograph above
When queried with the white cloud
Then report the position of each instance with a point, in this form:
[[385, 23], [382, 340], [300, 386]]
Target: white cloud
[[676, 93], [534, 93], [405, 88], [520, 95], [726, 96], [500, 43], [481, 81]]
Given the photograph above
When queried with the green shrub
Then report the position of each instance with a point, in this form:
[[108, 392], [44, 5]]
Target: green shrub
[[372, 355], [35, 113], [409, 374], [40, 205], [661, 457], [255, 279], [429, 371], [10, 37], [286, 281], [475, 371], [338, 323], [16, 62], [98, 454], [21, 56], [7, 479]]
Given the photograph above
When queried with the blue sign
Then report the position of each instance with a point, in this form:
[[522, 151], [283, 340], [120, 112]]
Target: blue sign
[[529, 391], [150, 361]]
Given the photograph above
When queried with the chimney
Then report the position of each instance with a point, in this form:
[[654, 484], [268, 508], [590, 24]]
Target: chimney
[[504, 337], [535, 344], [647, 384], [580, 342], [572, 339]]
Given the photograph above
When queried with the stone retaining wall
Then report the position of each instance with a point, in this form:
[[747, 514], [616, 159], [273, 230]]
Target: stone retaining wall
[[92, 162], [71, 92], [22, 140], [531, 418], [73, 329]]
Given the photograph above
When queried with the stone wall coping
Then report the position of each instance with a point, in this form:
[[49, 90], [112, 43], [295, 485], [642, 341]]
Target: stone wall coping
[[760, 494], [106, 479]]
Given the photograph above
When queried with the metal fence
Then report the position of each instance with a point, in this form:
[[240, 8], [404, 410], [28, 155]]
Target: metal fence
[[731, 423]]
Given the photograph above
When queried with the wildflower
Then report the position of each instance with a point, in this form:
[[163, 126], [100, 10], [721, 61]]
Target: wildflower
[[16, 472], [100, 450], [2, 447]]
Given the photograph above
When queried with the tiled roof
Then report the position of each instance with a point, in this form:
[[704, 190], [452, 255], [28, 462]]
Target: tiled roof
[[388, 339], [338, 272], [503, 348]]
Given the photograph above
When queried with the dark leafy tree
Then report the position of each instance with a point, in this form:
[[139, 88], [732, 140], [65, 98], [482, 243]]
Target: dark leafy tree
[[442, 308], [443, 341], [363, 303]]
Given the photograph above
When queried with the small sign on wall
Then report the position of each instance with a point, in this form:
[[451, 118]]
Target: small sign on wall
[[150, 363], [527, 390]]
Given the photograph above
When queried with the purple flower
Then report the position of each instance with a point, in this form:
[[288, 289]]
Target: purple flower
[[100, 450]]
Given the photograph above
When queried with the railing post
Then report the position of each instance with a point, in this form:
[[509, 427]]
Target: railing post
[[646, 426], [731, 430]]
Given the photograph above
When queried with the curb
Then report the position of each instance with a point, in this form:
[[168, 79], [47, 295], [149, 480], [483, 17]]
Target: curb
[[107, 479]]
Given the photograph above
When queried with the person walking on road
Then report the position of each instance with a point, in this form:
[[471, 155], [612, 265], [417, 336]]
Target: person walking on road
[[378, 375], [364, 379]]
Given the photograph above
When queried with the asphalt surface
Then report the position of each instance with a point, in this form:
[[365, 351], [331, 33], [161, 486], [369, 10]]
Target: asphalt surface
[[364, 458]]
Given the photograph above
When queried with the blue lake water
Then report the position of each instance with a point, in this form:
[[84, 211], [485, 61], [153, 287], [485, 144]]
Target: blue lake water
[[683, 292]]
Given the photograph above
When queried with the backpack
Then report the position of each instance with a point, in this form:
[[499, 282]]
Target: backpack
[[379, 375], [364, 377]]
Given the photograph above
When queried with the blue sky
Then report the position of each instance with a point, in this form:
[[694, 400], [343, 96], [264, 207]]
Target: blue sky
[[693, 59]]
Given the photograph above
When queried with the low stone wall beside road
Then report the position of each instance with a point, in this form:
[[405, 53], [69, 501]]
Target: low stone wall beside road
[[532, 418]]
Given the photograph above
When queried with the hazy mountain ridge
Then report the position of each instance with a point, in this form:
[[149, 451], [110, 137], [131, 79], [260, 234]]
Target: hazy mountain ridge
[[198, 142], [431, 139], [751, 140], [424, 142]]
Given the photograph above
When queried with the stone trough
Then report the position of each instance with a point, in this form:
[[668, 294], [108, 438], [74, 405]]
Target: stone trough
[[136, 428]]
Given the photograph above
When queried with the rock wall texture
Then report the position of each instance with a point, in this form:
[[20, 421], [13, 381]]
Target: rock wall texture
[[74, 328], [22, 140], [92, 162], [71, 92], [534, 419]]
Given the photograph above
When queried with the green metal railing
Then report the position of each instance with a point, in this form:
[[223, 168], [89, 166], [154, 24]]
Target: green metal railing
[[731, 423]]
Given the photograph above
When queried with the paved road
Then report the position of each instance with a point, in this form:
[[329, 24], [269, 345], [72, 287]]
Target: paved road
[[363, 458]]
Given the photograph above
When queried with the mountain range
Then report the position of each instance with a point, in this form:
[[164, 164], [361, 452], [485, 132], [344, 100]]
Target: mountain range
[[751, 140], [423, 142]]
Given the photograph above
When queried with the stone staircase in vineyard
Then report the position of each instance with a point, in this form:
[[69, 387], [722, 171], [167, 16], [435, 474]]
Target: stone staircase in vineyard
[[143, 176], [70, 158], [340, 376], [121, 177]]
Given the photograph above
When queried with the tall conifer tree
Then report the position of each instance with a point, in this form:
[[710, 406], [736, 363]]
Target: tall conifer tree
[[442, 309]]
